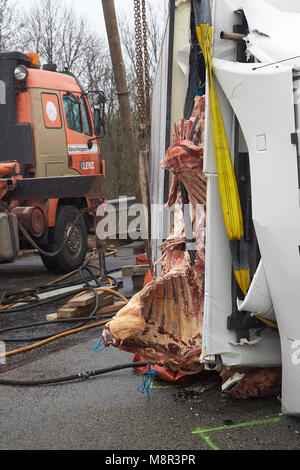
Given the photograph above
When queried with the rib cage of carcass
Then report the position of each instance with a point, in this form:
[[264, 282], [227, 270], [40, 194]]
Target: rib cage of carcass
[[163, 322]]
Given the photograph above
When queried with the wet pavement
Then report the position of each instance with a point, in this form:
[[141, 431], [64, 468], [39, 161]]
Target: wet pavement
[[107, 412]]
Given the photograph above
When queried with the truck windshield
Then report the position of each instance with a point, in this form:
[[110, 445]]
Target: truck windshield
[[73, 114]]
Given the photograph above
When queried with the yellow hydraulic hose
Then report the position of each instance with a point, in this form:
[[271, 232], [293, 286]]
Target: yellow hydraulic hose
[[66, 333], [104, 289], [52, 338], [110, 253]]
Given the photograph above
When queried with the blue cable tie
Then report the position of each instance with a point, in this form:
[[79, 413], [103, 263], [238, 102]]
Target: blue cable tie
[[98, 346], [147, 384], [199, 91]]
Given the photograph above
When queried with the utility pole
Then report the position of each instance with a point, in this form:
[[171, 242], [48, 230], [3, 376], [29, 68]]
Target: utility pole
[[114, 42], [122, 90]]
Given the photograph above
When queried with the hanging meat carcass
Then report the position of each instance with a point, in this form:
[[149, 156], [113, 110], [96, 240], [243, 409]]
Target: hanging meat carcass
[[163, 322]]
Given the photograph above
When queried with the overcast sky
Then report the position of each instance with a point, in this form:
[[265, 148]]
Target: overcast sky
[[92, 9]]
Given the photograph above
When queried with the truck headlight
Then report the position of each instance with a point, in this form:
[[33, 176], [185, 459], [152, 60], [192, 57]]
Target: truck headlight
[[21, 72]]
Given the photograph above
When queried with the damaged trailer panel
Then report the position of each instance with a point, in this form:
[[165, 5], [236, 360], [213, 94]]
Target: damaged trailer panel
[[270, 129], [227, 301], [229, 335]]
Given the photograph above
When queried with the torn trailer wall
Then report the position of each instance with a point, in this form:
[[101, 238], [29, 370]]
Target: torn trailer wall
[[232, 338], [234, 345], [270, 128]]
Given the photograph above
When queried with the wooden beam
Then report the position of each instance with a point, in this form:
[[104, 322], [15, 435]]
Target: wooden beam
[[135, 270], [115, 307], [83, 310], [112, 308], [87, 299]]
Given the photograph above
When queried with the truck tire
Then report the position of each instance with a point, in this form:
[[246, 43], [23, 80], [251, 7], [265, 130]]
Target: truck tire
[[73, 254]]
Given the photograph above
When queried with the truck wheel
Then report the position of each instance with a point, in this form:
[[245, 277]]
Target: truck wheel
[[73, 254]]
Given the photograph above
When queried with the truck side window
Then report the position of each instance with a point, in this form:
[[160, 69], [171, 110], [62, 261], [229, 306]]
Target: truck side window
[[73, 115], [87, 129]]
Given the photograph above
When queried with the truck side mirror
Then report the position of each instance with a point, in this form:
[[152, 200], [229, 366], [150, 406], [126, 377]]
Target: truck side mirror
[[99, 115]]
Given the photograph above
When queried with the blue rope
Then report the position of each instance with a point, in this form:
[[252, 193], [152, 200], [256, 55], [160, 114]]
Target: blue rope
[[101, 342], [147, 384]]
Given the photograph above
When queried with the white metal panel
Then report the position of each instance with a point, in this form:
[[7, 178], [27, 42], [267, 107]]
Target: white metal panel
[[157, 146], [181, 40], [218, 340], [160, 217], [275, 195]]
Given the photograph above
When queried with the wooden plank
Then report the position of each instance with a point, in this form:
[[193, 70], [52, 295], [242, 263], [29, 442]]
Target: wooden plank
[[115, 307], [112, 308], [58, 291], [51, 316], [87, 299], [85, 311], [135, 270]]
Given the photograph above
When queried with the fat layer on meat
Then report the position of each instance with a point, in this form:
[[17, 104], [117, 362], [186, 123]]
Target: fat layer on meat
[[163, 322]]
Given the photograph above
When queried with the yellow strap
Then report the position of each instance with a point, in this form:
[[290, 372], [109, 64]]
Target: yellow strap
[[227, 182], [267, 322]]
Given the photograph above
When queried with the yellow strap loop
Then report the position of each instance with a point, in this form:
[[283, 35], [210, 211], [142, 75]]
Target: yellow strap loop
[[227, 182]]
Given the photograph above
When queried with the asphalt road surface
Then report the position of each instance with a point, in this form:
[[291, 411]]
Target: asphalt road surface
[[108, 412]]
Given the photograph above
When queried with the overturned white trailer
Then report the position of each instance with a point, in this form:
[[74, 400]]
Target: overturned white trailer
[[257, 89], [241, 58]]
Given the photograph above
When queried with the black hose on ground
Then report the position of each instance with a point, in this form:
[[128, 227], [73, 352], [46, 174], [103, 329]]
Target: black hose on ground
[[79, 376], [32, 325], [41, 302], [34, 302], [82, 320]]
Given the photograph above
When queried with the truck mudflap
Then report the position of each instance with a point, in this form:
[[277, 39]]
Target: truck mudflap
[[9, 237], [90, 186]]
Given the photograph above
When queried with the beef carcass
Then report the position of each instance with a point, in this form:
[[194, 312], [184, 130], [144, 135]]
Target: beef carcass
[[163, 322]]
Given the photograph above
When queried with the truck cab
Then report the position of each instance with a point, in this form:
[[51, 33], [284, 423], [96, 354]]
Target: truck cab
[[48, 133]]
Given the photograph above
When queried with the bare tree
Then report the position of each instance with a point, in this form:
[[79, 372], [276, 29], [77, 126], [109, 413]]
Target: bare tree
[[57, 35], [155, 23], [10, 25], [119, 174]]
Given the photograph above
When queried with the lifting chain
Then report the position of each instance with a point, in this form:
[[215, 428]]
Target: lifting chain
[[142, 65]]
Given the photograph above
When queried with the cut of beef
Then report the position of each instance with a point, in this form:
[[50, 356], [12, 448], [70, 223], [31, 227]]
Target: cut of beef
[[163, 322]]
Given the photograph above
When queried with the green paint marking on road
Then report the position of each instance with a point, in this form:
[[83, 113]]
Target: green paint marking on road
[[240, 425], [209, 442], [170, 386], [163, 386], [207, 439]]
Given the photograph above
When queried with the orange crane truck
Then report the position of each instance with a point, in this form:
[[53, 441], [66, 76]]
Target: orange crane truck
[[51, 170]]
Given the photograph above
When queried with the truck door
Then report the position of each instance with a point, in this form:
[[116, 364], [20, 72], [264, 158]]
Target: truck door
[[44, 112], [79, 130]]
